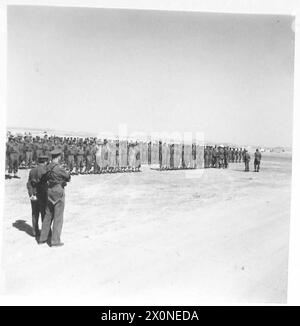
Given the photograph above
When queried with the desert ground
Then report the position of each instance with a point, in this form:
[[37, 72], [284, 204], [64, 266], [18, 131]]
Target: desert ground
[[156, 238]]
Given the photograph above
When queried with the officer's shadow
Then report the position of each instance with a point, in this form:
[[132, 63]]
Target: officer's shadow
[[22, 225]]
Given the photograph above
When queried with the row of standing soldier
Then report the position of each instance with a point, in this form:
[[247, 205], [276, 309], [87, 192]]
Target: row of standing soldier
[[78, 155], [220, 157], [90, 155]]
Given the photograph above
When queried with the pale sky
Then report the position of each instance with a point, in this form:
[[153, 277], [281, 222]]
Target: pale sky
[[228, 76]]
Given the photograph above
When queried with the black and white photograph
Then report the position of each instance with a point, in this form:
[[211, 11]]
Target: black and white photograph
[[148, 155]]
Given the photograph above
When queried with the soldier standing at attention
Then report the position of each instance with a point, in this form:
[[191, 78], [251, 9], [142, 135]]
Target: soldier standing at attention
[[221, 158], [12, 151], [246, 160], [257, 159], [206, 157], [232, 155], [38, 148], [149, 153], [28, 152], [56, 178], [79, 158], [240, 154], [88, 158], [214, 157], [94, 152], [236, 155], [37, 192], [226, 153], [71, 152], [46, 147]]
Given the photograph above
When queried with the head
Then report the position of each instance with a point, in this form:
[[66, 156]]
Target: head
[[56, 159], [56, 156], [43, 160]]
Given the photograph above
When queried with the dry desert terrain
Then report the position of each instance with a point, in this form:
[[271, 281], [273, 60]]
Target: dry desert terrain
[[172, 237]]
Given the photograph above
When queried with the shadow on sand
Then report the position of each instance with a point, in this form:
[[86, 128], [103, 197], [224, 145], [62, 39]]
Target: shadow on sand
[[23, 226]]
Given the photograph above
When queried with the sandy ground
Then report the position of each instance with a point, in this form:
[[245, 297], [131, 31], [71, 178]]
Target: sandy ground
[[155, 237]]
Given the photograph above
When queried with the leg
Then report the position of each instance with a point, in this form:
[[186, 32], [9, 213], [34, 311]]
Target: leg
[[27, 159], [47, 222], [58, 221], [30, 158], [35, 217], [10, 164], [15, 167]]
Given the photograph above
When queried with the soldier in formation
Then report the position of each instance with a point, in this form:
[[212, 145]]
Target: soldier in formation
[[94, 156]]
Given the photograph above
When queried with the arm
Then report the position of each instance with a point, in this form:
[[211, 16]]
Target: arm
[[64, 174], [31, 186]]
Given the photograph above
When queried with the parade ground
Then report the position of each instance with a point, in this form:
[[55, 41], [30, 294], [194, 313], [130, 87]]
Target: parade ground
[[158, 237]]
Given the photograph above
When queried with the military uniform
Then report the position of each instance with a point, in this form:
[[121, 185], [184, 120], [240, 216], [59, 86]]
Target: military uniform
[[240, 155], [22, 152], [165, 156], [226, 154], [38, 149], [257, 159], [88, 158], [37, 191], [71, 152], [131, 156], [46, 149], [172, 156], [56, 178], [137, 157], [28, 153], [206, 157], [112, 162], [79, 159], [247, 160], [177, 156], [187, 156], [221, 158], [236, 155], [214, 158], [149, 152], [12, 151]]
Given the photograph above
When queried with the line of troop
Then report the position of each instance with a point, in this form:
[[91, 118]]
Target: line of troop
[[96, 156]]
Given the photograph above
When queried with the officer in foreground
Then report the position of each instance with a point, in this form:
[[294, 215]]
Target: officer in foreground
[[37, 191], [56, 178]]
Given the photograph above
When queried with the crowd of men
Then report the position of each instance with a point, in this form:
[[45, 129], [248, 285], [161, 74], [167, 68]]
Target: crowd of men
[[221, 156], [92, 155], [78, 155]]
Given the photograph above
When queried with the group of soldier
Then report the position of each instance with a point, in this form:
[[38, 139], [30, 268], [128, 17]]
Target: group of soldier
[[78, 155], [221, 156], [92, 155]]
